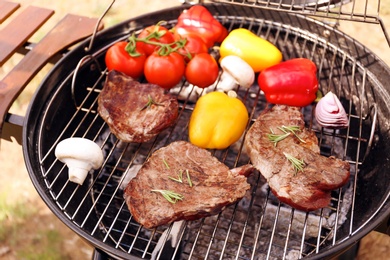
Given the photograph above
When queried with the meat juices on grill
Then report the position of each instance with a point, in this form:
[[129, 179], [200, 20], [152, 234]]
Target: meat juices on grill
[[309, 189], [214, 186], [123, 105]]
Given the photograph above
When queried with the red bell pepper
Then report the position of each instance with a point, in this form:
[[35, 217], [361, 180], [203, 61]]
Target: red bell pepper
[[197, 19], [292, 82]]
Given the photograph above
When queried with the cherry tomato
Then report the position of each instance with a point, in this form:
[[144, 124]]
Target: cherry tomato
[[183, 33], [157, 33], [194, 45], [202, 70], [165, 71], [117, 58]]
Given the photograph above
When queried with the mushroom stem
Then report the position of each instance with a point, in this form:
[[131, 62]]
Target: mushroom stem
[[77, 175], [227, 82], [235, 72], [232, 93]]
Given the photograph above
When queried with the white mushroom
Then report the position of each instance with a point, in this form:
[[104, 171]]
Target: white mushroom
[[80, 155], [189, 93], [236, 71]]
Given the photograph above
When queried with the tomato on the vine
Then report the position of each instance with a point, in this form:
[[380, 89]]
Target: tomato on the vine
[[194, 45], [155, 33], [164, 70], [202, 70], [117, 58]]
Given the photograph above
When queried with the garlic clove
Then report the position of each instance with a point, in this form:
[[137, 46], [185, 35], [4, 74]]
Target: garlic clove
[[330, 112]]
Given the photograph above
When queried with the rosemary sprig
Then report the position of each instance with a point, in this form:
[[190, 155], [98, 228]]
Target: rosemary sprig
[[290, 128], [293, 129], [188, 178], [275, 138], [179, 177], [170, 196], [297, 164], [150, 103], [166, 164], [287, 130]]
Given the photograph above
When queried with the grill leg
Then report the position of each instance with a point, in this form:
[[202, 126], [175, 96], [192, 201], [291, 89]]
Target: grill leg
[[350, 254], [100, 255]]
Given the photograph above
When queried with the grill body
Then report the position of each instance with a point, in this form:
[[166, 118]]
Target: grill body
[[257, 227]]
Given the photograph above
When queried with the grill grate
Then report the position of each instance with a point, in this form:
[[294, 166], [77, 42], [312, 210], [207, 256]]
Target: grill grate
[[366, 11], [258, 226], [352, 10]]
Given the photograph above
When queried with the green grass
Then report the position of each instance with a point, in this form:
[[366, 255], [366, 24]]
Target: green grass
[[15, 231], [11, 210], [15, 212], [45, 246]]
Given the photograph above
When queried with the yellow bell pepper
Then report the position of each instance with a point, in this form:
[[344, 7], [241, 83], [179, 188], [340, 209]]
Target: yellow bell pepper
[[256, 51], [218, 120]]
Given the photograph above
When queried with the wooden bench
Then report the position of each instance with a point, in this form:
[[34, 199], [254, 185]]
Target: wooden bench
[[15, 35]]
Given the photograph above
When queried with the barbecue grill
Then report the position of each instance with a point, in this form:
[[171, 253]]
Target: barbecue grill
[[258, 226]]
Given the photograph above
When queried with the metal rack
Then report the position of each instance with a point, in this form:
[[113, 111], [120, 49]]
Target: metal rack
[[366, 11], [258, 226]]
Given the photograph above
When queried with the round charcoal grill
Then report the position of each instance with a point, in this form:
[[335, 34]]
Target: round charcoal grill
[[258, 226]]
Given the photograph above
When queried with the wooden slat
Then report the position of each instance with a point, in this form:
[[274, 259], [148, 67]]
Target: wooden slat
[[20, 29], [6, 9], [67, 32]]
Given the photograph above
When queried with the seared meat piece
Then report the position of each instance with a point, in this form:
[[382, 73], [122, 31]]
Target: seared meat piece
[[135, 112], [213, 186], [308, 189]]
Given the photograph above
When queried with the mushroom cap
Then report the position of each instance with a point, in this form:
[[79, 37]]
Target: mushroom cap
[[239, 69], [77, 149]]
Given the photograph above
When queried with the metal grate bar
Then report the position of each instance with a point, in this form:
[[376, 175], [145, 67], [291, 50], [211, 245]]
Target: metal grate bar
[[365, 11], [257, 226], [353, 10]]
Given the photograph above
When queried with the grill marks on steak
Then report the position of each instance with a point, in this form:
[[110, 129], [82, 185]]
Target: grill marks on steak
[[214, 186], [122, 105], [308, 189]]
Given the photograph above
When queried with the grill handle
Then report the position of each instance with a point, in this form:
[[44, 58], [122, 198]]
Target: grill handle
[[13, 128], [70, 30]]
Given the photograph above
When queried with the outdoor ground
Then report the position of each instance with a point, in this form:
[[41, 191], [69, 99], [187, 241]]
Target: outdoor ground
[[28, 229]]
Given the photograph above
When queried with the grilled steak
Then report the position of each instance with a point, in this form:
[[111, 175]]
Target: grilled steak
[[213, 186], [134, 111], [307, 189]]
